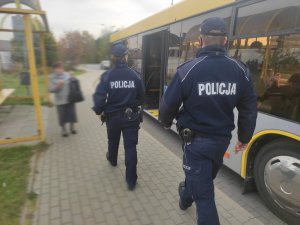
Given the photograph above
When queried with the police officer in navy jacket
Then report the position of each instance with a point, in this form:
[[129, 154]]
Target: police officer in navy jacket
[[118, 96], [208, 88]]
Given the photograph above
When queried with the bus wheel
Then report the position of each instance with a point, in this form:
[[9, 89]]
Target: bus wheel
[[277, 177]]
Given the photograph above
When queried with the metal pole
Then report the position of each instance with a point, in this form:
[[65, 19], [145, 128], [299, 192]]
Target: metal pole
[[172, 2], [18, 4], [38, 4], [44, 65], [33, 76]]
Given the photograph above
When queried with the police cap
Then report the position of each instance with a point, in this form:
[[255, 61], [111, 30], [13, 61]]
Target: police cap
[[119, 49], [214, 26]]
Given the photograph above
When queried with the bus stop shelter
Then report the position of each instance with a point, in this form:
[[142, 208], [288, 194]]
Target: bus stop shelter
[[29, 12]]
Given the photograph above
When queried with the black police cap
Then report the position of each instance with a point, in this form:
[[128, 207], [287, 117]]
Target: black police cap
[[214, 26], [119, 49]]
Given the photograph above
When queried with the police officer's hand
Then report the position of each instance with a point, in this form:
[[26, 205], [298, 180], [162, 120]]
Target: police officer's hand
[[239, 147], [103, 118]]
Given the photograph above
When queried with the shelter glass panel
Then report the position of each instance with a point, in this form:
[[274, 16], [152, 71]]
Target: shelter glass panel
[[24, 4]]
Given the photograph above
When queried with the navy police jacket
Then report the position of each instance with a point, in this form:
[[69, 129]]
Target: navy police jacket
[[209, 88], [119, 88]]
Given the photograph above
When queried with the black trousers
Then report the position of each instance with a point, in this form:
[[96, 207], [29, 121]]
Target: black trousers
[[117, 125], [200, 171]]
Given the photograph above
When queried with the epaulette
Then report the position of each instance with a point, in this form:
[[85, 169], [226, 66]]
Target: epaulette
[[105, 75], [185, 68], [182, 64], [245, 69], [138, 74]]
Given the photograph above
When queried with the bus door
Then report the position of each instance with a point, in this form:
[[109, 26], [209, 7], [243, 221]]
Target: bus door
[[154, 69]]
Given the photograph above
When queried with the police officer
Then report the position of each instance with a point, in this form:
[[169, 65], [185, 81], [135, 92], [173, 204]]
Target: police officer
[[210, 87], [119, 95]]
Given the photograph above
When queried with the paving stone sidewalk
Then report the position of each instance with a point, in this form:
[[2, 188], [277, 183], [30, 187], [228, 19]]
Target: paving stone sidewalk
[[77, 185]]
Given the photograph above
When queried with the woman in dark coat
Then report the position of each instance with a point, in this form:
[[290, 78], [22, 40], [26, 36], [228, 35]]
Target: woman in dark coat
[[59, 85]]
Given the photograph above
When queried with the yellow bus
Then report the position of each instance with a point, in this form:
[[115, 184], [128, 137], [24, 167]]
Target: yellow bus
[[264, 34]]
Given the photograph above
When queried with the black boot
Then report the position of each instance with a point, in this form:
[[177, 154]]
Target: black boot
[[181, 188], [131, 187]]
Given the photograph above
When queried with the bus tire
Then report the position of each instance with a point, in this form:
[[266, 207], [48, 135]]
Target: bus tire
[[279, 159]]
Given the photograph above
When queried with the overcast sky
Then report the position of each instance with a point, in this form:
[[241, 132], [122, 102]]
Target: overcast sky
[[67, 15]]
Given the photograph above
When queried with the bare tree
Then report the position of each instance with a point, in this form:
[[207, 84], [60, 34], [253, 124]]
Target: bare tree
[[77, 47]]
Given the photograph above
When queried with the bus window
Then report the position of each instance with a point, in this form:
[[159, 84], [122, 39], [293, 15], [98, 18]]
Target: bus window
[[269, 16], [251, 51], [132, 45], [190, 37], [190, 32], [139, 54], [174, 51], [274, 63]]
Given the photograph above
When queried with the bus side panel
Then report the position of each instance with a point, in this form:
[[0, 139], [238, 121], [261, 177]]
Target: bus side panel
[[264, 122]]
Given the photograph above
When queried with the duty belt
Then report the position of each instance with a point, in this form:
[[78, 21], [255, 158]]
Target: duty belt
[[123, 112]]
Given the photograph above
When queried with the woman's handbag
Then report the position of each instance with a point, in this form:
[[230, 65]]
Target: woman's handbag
[[75, 93]]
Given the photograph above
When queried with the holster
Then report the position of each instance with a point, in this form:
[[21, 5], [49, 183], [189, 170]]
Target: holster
[[186, 134], [130, 113]]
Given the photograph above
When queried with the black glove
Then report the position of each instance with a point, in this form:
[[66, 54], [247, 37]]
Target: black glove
[[103, 118]]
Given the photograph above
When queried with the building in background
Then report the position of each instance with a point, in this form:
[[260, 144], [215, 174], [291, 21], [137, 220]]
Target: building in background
[[17, 23], [5, 55]]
